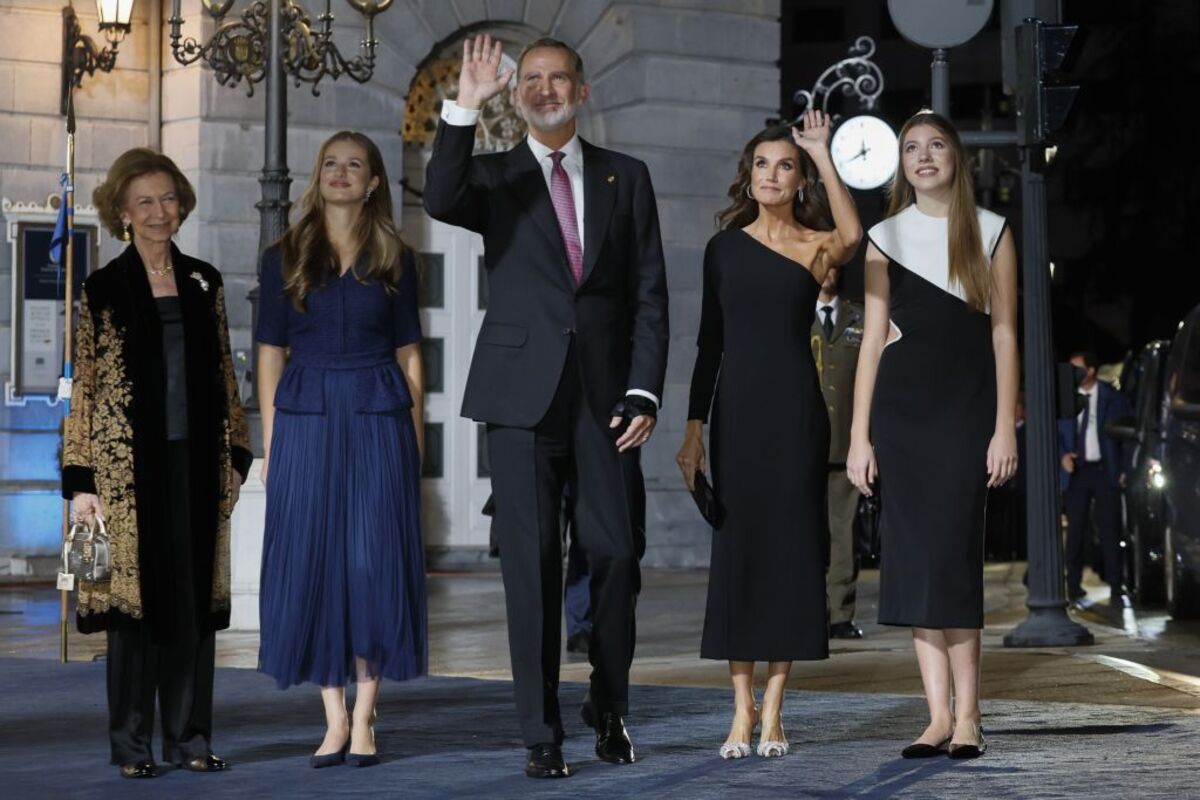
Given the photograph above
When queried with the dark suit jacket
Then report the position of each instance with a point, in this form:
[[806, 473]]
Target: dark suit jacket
[[837, 361], [617, 314], [1110, 405]]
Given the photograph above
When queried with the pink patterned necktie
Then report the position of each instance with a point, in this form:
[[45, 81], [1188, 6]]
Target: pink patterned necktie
[[564, 209]]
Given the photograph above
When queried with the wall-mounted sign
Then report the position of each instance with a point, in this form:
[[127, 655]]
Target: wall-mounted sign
[[39, 292]]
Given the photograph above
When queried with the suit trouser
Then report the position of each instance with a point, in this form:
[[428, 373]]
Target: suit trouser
[[180, 672], [1090, 484], [842, 578], [529, 470]]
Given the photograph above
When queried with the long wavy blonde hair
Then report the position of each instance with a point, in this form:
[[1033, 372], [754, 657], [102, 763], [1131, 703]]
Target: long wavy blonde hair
[[308, 258], [968, 264]]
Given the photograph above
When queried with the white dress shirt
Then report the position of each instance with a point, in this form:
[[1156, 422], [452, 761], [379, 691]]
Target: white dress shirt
[[833, 315], [1091, 437], [454, 114]]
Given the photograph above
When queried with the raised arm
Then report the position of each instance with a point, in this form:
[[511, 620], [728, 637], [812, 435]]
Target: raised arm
[[860, 461], [452, 194], [813, 139], [1002, 451]]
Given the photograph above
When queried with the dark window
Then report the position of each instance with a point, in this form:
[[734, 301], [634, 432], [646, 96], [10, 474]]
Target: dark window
[[434, 464], [818, 24], [433, 354], [483, 468], [483, 285], [887, 30], [433, 280]]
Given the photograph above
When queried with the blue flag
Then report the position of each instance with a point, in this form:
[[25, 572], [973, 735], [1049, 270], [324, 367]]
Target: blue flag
[[58, 242]]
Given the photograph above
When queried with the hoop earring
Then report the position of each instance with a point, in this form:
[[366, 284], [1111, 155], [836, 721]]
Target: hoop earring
[[800, 195], [749, 192], [125, 237]]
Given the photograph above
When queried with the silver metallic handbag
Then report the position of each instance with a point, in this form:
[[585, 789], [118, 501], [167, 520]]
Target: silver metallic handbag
[[85, 554]]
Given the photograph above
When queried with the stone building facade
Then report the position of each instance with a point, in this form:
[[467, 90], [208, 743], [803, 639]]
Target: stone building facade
[[681, 84]]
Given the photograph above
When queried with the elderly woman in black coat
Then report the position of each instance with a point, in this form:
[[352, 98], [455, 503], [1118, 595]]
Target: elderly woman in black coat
[[156, 445]]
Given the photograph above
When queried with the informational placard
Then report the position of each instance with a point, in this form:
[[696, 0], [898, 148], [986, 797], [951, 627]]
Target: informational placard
[[39, 294]]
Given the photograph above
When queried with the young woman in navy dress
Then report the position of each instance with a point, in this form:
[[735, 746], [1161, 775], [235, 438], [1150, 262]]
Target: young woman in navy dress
[[340, 385], [934, 414]]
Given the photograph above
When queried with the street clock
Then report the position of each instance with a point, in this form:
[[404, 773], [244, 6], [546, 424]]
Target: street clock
[[865, 152]]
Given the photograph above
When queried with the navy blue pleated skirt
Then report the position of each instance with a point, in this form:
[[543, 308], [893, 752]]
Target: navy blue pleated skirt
[[343, 572]]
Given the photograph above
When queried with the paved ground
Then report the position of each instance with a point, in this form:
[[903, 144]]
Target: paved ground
[[1116, 719], [1140, 657]]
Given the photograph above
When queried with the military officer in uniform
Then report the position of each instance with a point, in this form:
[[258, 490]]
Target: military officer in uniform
[[836, 337]]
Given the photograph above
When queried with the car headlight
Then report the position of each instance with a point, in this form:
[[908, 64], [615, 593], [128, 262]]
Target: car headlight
[[1154, 475]]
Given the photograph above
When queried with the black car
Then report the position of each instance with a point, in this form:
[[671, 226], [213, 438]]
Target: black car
[[1144, 383], [1181, 471]]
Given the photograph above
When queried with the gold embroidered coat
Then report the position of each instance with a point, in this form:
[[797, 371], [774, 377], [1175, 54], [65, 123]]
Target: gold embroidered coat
[[115, 440]]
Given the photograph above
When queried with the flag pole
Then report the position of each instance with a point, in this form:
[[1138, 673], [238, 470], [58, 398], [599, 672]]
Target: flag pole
[[68, 336]]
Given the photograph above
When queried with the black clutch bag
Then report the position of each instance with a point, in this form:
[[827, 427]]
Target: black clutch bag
[[706, 499]]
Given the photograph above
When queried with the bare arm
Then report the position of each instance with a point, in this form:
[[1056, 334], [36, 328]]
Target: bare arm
[[271, 361], [847, 233], [1002, 453], [860, 462], [409, 359]]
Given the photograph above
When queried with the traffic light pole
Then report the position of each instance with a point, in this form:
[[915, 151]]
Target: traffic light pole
[[1048, 624]]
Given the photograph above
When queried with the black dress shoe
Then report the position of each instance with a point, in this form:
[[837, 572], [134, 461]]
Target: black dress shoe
[[546, 761], [612, 740], [139, 769], [362, 759], [922, 750], [208, 763], [579, 642], [844, 630]]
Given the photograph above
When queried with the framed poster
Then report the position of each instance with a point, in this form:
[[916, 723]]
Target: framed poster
[[39, 293]]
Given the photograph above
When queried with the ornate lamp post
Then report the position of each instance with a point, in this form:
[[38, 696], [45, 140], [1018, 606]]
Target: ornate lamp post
[[855, 75], [80, 53], [268, 39]]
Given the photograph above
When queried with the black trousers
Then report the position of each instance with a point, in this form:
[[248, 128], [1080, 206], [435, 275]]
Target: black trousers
[[530, 468], [179, 672], [1090, 496]]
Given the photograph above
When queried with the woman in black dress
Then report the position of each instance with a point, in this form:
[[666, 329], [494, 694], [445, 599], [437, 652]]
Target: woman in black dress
[[934, 414], [770, 430]]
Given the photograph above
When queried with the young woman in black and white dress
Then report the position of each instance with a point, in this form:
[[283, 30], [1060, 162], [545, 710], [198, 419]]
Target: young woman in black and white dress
[[934, 410]]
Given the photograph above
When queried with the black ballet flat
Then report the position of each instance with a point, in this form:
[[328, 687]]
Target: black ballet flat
[[922, 750], [362, 759], [208, 763], [965, 751], [329, 759], [139, 769]]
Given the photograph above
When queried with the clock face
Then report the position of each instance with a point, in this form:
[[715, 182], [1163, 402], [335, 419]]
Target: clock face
[[865, 151]]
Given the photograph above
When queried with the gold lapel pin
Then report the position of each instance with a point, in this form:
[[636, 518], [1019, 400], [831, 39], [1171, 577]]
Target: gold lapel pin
[[612, 178]]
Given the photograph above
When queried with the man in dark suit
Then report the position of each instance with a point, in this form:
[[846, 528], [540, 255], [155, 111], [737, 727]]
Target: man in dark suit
[[836, 336], [1092, 475], [567, 372]]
